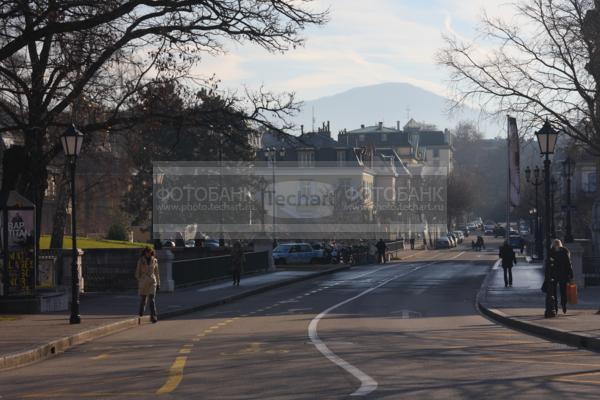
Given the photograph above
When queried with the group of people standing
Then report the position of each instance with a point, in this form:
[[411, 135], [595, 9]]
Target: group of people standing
[[561, 270]]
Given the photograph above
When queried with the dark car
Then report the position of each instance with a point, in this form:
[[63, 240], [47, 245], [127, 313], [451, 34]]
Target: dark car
[[516, 241], [499, 231]]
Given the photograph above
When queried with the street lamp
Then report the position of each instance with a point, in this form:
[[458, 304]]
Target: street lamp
[[536, 182], [568, 169], [547, 140], [157, 180], [71, 141], [553, 185], [272, 153]]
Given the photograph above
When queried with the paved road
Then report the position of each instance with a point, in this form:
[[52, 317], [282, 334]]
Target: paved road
[[403, 330]]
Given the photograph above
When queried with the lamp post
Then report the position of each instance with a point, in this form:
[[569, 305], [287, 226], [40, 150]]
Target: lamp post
[[71, 142], [157, 180], [272, 154], [536, 182], [553, 184], [547, 140], [568, 167]]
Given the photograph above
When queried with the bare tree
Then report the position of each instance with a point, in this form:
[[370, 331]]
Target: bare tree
[[81, 60], [544, 63]]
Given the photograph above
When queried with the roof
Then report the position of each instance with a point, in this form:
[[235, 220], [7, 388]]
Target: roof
[[375, 128], [318, 140]]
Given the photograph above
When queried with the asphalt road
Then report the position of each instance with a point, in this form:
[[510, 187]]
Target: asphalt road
[[402, 330]]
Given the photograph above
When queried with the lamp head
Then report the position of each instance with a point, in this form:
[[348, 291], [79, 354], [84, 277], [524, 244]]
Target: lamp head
[[547, 137], [71, 141]]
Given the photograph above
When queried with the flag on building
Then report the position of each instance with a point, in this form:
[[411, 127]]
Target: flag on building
[[514, 174]]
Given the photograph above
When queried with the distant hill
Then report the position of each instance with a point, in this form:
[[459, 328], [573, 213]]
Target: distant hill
[[387, 102]]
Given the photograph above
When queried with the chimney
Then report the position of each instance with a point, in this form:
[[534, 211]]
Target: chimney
[[380, 125], [302, 129], [362, 126], [397, 125]]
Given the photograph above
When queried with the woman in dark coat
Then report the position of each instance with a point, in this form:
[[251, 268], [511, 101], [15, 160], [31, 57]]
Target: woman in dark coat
[[562, 272], [508, 260], [237, 262]]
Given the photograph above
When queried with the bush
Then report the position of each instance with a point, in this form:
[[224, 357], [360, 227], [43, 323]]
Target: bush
[[117, 232]]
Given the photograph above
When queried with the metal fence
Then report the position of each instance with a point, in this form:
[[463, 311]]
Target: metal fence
[[591, 271], [199, 270]]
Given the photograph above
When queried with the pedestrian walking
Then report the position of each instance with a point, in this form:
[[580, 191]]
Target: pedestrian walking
[[148, 279], [522, 245], [238, 259], [562, 271], [508, 260], [381, 247], [412, 243]]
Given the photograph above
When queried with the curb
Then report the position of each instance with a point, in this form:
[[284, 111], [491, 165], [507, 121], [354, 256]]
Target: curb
[[552, 334], [55, 347]]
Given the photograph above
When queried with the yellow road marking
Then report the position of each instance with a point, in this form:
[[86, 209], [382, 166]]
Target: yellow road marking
[[100, 357], [185, 351], [573, 378], [64, 393], [535, 361], [175, 376], [5, 318]]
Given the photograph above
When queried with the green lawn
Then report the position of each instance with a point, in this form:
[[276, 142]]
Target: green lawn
[[88, 243]]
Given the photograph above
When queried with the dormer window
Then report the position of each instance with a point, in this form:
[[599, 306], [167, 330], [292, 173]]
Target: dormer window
[[306, 158]]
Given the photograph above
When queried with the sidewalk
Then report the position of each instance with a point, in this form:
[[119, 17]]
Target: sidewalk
[[522, 307], [29, 338]]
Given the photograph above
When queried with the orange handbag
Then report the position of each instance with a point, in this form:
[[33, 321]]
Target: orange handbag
[[571, 293]]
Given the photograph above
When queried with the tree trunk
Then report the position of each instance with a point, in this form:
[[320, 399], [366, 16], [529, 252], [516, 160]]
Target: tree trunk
[[60, 214]]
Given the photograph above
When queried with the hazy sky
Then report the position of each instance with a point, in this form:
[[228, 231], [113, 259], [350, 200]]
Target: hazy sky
[[365, 42]]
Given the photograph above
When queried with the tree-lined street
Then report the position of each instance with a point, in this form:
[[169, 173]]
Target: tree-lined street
[[417, 335]]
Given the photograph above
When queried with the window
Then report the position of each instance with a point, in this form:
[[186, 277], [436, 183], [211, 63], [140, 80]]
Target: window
[[51, 189], [306, 158], [361, 138], [341, 157], [436, 153], [588, 181], [384, 137], [345, 183], [305, 188]]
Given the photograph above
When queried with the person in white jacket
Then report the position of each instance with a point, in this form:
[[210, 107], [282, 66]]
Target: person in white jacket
[[148, 279]]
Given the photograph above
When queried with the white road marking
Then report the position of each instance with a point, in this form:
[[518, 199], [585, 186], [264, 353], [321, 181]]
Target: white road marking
[[456, 256], [367, 384]]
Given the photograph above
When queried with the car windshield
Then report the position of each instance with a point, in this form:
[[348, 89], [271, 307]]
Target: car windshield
[[283, 248]]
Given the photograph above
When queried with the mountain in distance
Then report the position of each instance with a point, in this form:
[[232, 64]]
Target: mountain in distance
[[387, 103]]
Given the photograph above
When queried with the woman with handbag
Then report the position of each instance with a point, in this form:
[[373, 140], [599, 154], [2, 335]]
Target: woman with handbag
[[562, 270], [148, 279]]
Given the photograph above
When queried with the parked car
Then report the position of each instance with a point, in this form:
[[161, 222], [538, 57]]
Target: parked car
[[453, 240], [499, 231], [168, 243], [211, 243], [465, 231], [295, 253], [443, 243], [460, 236], [516, 241]]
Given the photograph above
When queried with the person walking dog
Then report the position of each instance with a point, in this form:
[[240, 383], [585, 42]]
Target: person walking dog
[[560, 257], [148, 279], [237, 262], [508, 260]]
